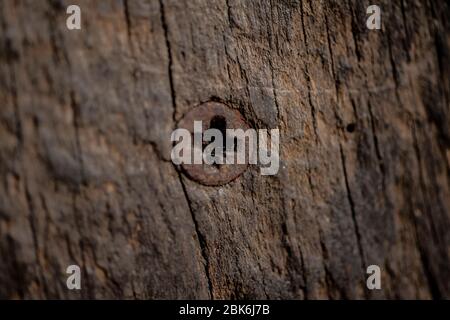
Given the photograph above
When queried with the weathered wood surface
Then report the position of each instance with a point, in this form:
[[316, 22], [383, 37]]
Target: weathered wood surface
[[86, 176]]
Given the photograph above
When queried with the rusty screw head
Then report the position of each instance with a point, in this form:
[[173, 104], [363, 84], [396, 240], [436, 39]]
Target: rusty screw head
[[213, 115]]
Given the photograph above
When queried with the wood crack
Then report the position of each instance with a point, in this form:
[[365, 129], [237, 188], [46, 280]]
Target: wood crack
[[169, 57], [201, 239], [127, 17], [352, 208], [308, 77]]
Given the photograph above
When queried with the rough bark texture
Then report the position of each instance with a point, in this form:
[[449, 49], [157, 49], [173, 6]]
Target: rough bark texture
[[86, 176]]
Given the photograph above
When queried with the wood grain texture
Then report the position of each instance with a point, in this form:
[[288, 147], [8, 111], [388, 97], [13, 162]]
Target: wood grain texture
[[85, 170]]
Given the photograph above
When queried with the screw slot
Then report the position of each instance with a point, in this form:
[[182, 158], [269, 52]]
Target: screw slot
[[220, 123]]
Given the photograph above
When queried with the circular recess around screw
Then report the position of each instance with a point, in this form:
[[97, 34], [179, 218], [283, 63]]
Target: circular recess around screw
[[218, 116]]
